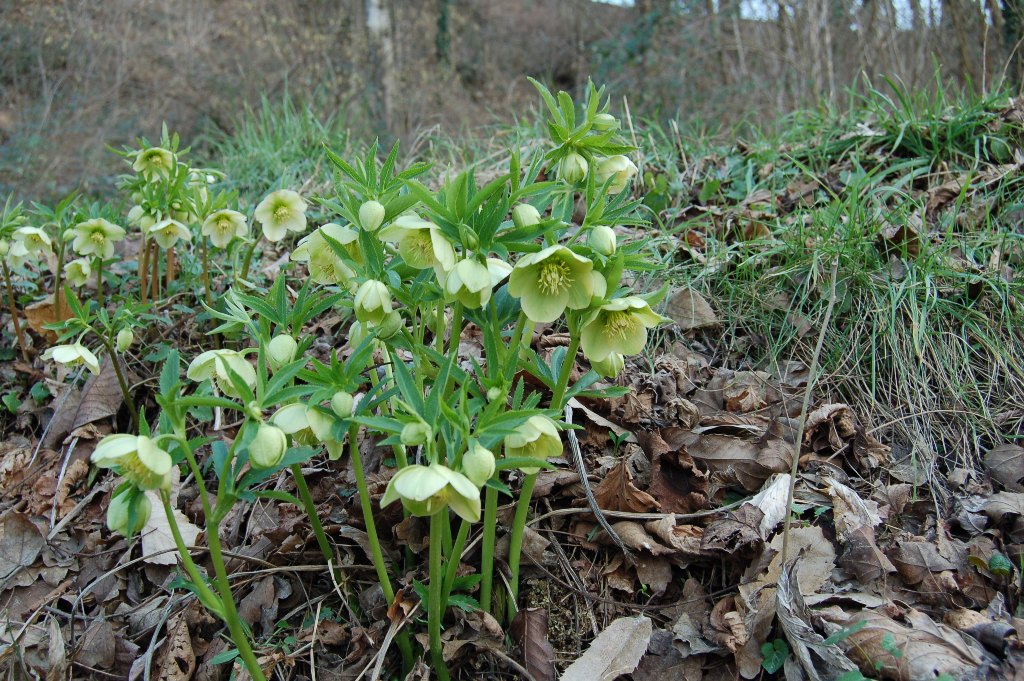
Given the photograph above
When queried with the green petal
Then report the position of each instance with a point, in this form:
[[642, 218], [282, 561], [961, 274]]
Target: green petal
[[418, 483], [466, 508], [594, 341], [542, 309], [113, 448], [634, 343], [152, 457]]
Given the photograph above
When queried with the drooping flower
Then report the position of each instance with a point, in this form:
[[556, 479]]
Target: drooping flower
[[420, 243], [138, 217], [32, 239], [216, 364], [573, 168], [478, 463], [551, 280], [426, 490], [73, 354], [291, 419], [17, 255], [372, 302], [137, 458], [154, 162], [128, 512], [525, 215], [268, 447], [96, 237], [371, 215], [167, 232], [602, 239], [469, 282], [537, 438], [322, 423], [224, 225], [620, 326], [281, 212], [499, 270], [610, 366], [415, 433], [619, 169], [78, 271]]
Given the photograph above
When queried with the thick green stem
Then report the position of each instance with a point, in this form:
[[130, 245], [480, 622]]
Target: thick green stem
[[14, 313], [99, 281], [58, 283], [487, 547], [435, 608], [563, 377], [371, 533], [515, 544], [248, 259], [314, 519], [456, 333], [454, 557], [206, 275]]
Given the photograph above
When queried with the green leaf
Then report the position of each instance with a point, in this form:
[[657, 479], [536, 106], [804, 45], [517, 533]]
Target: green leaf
[[774, 655], [999, 564]]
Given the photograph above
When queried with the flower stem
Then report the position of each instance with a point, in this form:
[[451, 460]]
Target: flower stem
[[206, 275], [563, 377], [58, 283], [487, 547], [453, 560], [248, 258], [14, 313], [142, 260], [314, 519], [515, 544], [99, 281], [371, 533], [125, 392], [170, 268], [206, 595], [435, 608]]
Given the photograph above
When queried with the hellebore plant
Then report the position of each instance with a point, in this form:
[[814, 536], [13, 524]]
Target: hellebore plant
[[410, 269]]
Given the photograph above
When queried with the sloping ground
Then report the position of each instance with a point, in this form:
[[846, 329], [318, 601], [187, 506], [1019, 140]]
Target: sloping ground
[[879, 248]]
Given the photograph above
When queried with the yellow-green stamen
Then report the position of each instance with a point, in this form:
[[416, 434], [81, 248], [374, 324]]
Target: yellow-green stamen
[[554, 277]]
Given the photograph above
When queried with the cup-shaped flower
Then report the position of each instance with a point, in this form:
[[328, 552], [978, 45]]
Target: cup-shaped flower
[[573, 168], [96, 237], [138, 217], [525, 215], [17, 255], [218, 364], [478, 463], [469, 282], [620, 326], [602, 239], [420, 243], [73, 354], [322, 423], [128, 512], [281, 212], [268, 447], [224, 225], [125, 338], [372, 302], [78, 271], [551, 280], [537, 438], [154, 162], [604, 122], [167, 232], [291, 419], [139, 459], [32, 239], [610, 366], [281, 350], [619, 169], [426, 490], [371, 215]]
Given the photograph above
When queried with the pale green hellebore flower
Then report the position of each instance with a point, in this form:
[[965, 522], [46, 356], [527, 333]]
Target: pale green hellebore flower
[[281, 212], [619, 169], [620, 326], [325, 267], [96, 237], [525, 215], [309, 426], [32, 239], [537, 438], [420, 243], [128, 512], [426, 490], [610, 366], [573, 168], [478, 464], [224, 225], [72, 355], [5, 248], [323, 424], [215, 364], [78, 271], [372, 302], [268, 447], [137, 458], [17, 255], [371, 215], [167, 232], [602, 240], [154, 162], [140, 218], [469, 282], [551, 280]]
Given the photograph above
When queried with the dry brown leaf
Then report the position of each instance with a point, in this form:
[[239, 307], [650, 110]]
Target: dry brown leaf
[[616, 651], [1006, 464], [44, 312], [727, 626], [529, 629], [685, 539], [98, 648], [676, 483], [815, 559], [260, 605], [771, 501], [863, 558], [1004, 503], [636, 537], [689, 310], [655, 572], [618, 493], [737, 535], [20, 544], [916, 560], [177, 660], [850, 511]]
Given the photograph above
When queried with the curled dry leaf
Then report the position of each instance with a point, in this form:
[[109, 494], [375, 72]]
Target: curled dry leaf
[[685, 539], [676, 483], [771, 501], [737, 535], [20, 544], [618, 493], [727, 626]]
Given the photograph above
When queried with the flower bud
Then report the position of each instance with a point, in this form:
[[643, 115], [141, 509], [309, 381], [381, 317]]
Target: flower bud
[[342, 404], [125, 338], [5, 247], [468, 238], [372, 302], [602, 239], [128, 512], [494, 393], [478, 464], [268, 447], [604, 122], [619, 169], [68, 235], [415, 433], [390, 325], [281, 350], [371, 215], [525, 215], [573, 168]]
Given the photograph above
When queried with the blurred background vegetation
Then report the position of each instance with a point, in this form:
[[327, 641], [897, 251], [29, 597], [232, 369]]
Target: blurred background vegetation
[[76, 75]]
